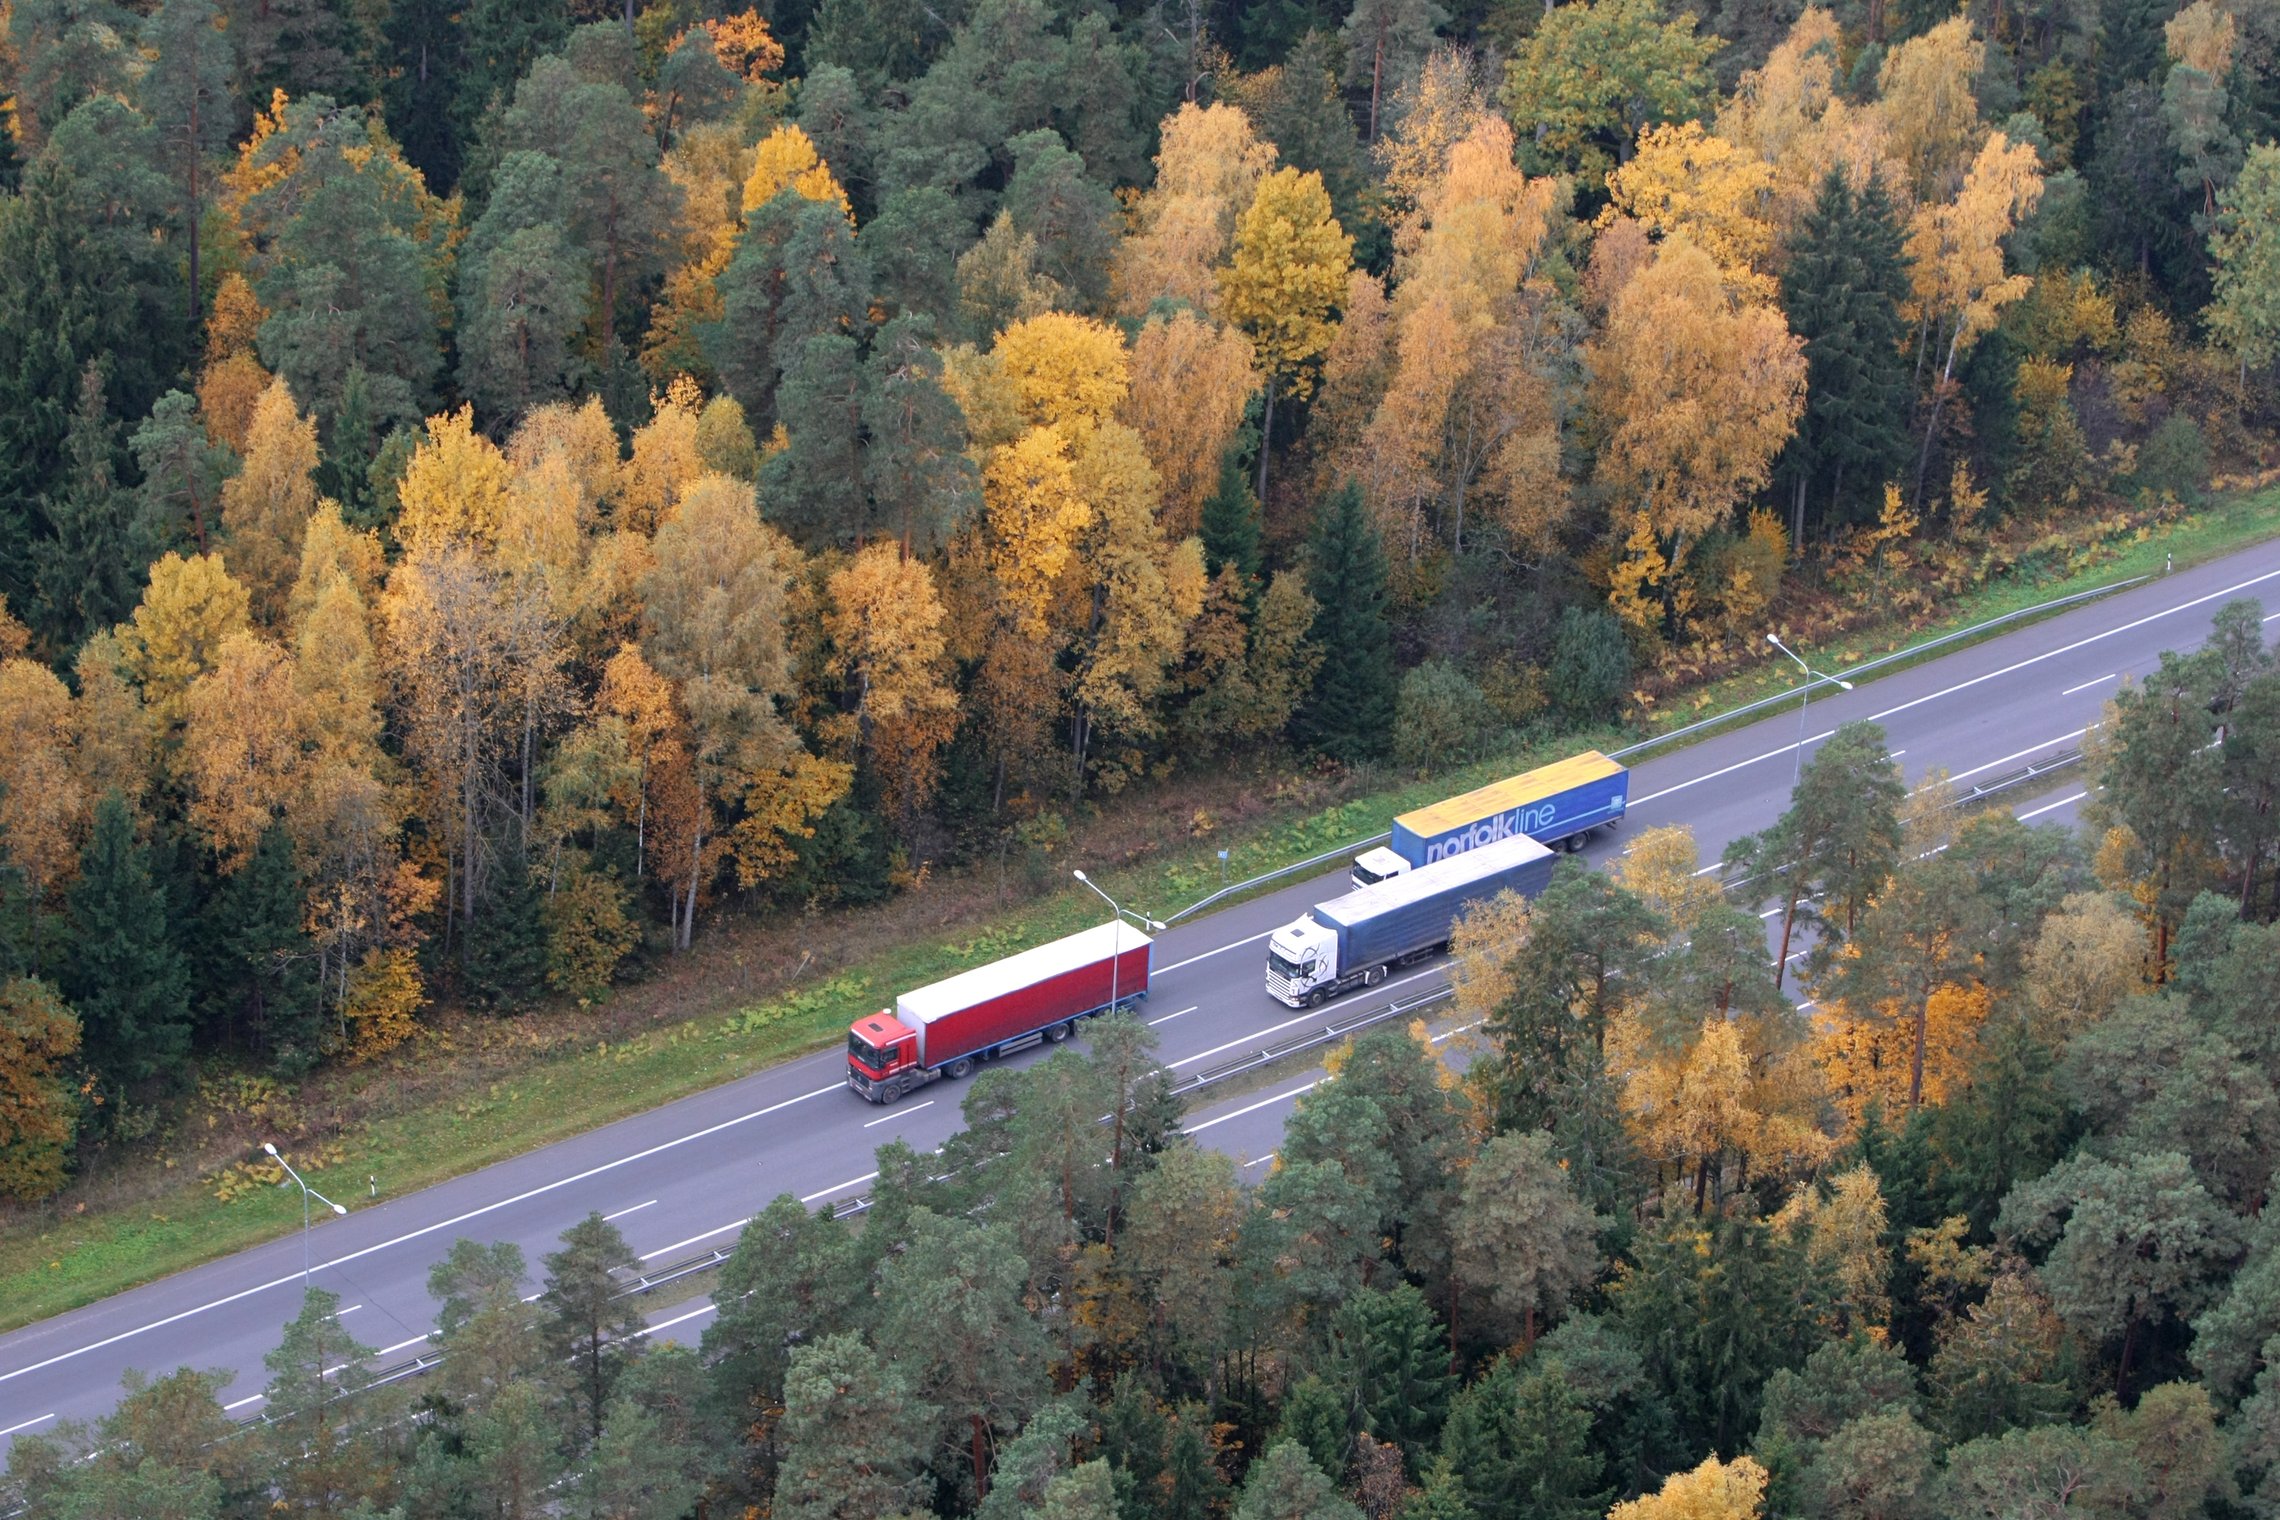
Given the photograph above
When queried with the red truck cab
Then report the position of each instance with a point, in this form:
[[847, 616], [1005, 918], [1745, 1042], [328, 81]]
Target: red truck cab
[[881, 1049]]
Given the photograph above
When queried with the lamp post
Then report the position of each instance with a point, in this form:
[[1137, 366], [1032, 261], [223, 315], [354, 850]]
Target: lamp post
[[1804, 696], [307, 1193], [1116, 955]]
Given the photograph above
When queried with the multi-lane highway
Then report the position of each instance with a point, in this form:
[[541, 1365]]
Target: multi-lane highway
[[684, 1177]]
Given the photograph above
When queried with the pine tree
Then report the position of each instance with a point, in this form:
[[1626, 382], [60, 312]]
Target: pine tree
[[1231, 525], [1349, 713], [325, 1431], [591, 1324], [124, 973], [1842, 292], [264, 966], [1285, 1484]]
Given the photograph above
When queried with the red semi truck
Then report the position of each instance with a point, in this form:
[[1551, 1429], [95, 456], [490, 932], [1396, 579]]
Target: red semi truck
[[993, 1010]]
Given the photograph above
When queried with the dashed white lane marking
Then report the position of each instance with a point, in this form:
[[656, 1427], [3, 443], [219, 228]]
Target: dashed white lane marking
[[1167, 1018], [898, 1113], [351, 1309], [28, 1424], [2086, 685], [621, 1213], [1262, 1161], [1252, 1108], [738, 1224], [429, 1229], [1258, 1034], [1978, 680], [241, 1403], [2052, 807]]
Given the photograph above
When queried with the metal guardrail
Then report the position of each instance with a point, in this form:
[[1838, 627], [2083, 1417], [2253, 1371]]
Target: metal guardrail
[[1898, 656], [1343, 851], [1334, 1029], [1761, 704]]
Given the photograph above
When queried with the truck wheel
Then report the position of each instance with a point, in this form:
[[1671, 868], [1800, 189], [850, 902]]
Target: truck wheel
[[1317, 998], [1574, 843], [1374, 976], [1057, 1033], [960, 1068]]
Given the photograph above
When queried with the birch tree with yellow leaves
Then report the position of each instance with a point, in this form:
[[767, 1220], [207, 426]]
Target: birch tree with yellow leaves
[[1694, 391], [714, 622], [1208, 169], [1283, 285], [1957, 268]]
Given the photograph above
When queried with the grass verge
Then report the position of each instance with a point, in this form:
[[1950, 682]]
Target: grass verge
[[61, 1257]]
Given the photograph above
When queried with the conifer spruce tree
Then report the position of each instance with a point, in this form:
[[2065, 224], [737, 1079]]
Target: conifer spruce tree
[[263, 964], [1842, 293], [1231, 526], [91, 572], [123, 972], [1349, 713]]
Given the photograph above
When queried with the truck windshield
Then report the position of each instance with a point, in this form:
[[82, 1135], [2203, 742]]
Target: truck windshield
[[1289, 970], [1364, 876], [862, 1050]]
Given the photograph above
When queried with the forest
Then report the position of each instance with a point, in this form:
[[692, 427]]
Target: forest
[[1976, 1229], [485, 490]]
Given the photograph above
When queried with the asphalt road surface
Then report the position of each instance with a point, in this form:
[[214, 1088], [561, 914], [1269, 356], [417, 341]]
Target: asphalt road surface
[[684, 1177]]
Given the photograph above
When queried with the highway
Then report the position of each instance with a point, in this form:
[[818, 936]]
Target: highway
[[684, 1177]]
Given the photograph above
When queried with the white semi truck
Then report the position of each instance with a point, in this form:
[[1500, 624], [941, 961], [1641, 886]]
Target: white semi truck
[[1358, 939]]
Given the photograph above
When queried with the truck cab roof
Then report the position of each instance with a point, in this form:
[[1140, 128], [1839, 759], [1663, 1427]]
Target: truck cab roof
[[881, 1029]]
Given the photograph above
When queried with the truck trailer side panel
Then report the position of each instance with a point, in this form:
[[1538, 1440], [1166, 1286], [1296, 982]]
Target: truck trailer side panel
[[1547, 804], [977, 1009], [1414, 911]]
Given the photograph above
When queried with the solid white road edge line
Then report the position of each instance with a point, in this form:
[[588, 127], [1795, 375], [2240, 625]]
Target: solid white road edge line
[[2052, 807], [1978, 680], [1281, 1097], [701, 1310], [444, 1224]]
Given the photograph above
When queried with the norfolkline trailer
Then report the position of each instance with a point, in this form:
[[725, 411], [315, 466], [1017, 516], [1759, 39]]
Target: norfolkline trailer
[[993, 1010], [1561, 804], [1356, 940]]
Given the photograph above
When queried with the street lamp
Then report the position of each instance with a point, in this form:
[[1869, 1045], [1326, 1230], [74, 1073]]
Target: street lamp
[[1116, 955], [1804, 696], [307, 1193]]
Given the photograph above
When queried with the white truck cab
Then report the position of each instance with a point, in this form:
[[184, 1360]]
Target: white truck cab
[[1302, 957], [1374, 866]]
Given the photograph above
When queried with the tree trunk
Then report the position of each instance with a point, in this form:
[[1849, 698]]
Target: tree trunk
[[1788, 921], [1266, 438], [1922, 1022], [1932, 422], [1377, 79], [696, 876], [981, 1457], [1797, 524], [1701, 1183], [194, 197]]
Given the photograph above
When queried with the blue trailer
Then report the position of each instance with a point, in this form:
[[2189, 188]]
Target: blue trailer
[[1561, 805], [1356, 940]]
